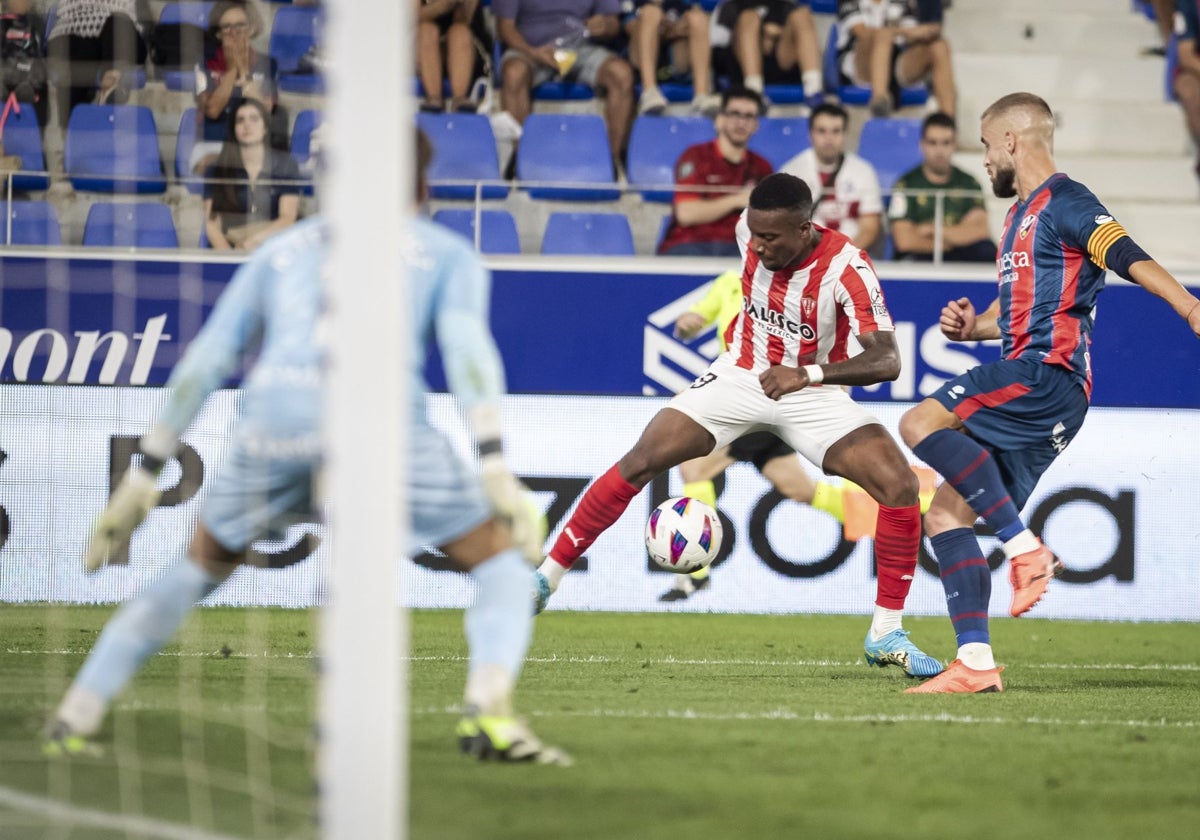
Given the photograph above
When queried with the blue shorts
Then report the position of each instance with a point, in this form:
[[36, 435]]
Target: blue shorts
[[260, 494], [1023, 411]]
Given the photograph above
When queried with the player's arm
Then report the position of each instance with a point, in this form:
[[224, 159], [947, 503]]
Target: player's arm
[[878, 362], [1158, 281], [960, 321], [210, 359]]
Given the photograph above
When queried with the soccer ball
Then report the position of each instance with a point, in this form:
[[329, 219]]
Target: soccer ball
[[683, 535]]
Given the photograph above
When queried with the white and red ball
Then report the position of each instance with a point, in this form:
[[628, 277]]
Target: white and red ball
[[683, 535]]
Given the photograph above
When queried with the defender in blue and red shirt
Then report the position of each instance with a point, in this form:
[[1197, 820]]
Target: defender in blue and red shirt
[[994, 430]]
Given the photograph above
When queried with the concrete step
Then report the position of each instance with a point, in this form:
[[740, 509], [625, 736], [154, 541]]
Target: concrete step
[[1096, 77], [1007, 30], [1044, 7]]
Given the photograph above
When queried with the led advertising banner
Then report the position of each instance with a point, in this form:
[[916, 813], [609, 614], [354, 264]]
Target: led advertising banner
[[1118, 506]]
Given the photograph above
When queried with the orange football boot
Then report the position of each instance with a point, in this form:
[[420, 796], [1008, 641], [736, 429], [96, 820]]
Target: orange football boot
[[1030, 574], [959, 679]]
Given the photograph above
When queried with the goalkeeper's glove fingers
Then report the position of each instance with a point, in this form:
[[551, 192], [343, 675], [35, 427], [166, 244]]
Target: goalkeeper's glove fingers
[[512, 504], [134, 498]]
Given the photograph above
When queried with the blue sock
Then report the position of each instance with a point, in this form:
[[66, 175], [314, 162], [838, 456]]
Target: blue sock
[[967, 581], [499, 625], [971, 470], [142, 627]]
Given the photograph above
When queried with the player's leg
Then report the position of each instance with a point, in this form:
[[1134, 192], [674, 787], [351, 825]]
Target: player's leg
[[870, 457], [1028, 412], [671, 438], [967, 581], [698, 475]]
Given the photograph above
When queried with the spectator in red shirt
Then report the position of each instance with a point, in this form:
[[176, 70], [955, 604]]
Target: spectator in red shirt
[[703, 221]]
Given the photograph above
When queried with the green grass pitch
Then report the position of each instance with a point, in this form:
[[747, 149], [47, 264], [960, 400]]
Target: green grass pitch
[[681, 726]]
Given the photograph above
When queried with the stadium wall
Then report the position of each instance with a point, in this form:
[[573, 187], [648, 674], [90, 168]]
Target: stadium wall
[[86, 344]]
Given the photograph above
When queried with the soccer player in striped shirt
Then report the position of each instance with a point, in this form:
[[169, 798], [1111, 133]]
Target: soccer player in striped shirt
[[994, 430], [805, 291]]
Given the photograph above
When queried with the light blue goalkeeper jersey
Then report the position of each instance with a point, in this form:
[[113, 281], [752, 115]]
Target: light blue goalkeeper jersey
[[274, 302]]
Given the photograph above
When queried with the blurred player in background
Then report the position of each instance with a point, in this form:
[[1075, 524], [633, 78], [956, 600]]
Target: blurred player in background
[[994, 430], [774, 459], [805, 291], [483, 523]]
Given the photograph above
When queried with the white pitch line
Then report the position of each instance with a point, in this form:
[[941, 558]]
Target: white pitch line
[[824, 717], [56, 810], [638, 660]]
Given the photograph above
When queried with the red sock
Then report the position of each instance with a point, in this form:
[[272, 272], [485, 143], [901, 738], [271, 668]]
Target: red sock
[[601, 506], [897, 539]]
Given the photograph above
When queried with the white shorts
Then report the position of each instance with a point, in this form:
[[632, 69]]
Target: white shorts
[[729, 402]]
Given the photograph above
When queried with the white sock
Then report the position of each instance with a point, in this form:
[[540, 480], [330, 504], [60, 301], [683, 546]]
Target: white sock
[[82, 710], [553, 571], [1020, 544], [754, 83], [884, 622], [489, 689], [812, 81], [977, 656], [499, 625]]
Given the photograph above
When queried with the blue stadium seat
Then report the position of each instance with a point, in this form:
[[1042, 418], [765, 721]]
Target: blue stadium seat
[[293, 30], [779, 139], [464, 149], [860, 94], [655, 144], [892, 146], [33, 223], [113, 148], [142, 224], [185, 141], [194, 12], [23, 137], [307, 121], [824, 7], [567, 148], [588, 234], [498, 234]]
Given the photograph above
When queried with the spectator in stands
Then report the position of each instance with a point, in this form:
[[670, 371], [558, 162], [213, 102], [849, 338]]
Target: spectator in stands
[[22, 57], [683, 30], [887, 43], [1187, 75], [845, 188], [913, 208], [252, 191], [703, 223], [452, 43], [548, 39], [768, 42], [234, 73], [1164, 16], [90, 37]]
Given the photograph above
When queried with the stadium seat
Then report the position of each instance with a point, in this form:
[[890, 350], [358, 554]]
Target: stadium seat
[[464, 149], [588, 234], [892, 146], [113, 148], [142, 224], [191, 13], [498, 234], [23, 138], [860, 94], [779, 139], [293, 31], [185, 141], [307, 121], [31, 222], [567, 148], [655, 144]]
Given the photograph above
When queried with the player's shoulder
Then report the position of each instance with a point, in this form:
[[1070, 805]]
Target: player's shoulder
[[429, 242], [296, 243]]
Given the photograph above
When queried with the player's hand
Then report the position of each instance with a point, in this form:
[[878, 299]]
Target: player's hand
[[958, 320], [134, 498], [779, 380], [1193, 319], [688, 324], [513, 505]]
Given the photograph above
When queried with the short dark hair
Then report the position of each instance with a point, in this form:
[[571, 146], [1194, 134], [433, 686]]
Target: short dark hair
[[743, 93], [938, 119], [782, 191], [831, 109]]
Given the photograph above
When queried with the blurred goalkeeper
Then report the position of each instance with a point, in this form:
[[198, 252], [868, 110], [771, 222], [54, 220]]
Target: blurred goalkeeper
[[484, 523]]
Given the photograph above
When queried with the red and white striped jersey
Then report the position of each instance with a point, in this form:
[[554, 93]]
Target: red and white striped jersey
[[804, 314]]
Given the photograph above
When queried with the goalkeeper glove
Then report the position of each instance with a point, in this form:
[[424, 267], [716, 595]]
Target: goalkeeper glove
[[134, 498], [513, 505]]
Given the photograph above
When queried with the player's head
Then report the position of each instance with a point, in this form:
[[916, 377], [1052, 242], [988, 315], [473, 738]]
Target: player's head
[[1011, 128], [738, 118], [422, 157], [939, 138], [780, 220], [827, 131]]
